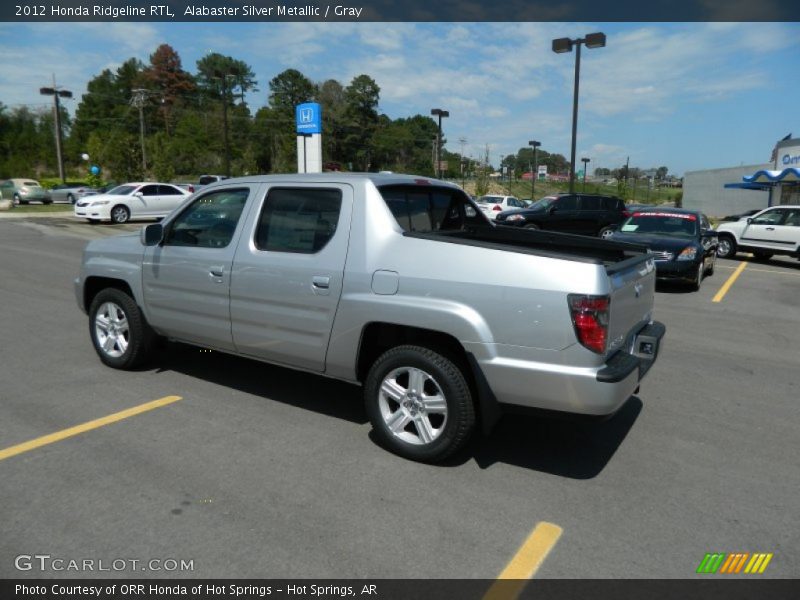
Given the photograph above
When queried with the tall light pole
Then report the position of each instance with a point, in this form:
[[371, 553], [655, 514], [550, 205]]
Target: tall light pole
[[535, 170], [57, 93], [561, 45], [438, 112], [585, 162]]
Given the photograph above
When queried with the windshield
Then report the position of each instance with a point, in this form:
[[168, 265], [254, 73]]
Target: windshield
[[661, 223], [122, 190]]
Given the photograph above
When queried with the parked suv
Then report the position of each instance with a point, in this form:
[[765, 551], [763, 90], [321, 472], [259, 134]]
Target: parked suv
[[775, 230], [587, 214]]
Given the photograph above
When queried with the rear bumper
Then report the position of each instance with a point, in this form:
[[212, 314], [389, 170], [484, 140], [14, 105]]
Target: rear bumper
[[553, 386]]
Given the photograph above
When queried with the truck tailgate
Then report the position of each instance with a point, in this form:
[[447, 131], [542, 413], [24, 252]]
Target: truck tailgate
[[633, 283]]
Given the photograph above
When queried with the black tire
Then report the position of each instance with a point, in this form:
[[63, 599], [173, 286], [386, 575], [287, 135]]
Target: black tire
[[726, 247], [140, 338], [605, 232], [71, 198], [701, 269], [531, 226], [16, 201], [120, 214], [454, 429], [762, 255], [47, 202]]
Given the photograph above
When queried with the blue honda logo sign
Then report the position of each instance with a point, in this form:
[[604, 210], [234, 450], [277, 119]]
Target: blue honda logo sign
[[308, 117]]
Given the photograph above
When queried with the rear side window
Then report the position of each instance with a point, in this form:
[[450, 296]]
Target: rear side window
[[424, 209], [168, 190], [611, 203], [590, 203], [299, 220]]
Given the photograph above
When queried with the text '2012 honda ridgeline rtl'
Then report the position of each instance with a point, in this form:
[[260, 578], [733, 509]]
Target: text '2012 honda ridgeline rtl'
[[394, 282]]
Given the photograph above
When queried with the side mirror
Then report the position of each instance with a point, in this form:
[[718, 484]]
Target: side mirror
[[749, 220], [551, 210], [152, 235], [138, 194]]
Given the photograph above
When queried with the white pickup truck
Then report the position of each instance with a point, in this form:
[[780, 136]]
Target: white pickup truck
[[395, 282]]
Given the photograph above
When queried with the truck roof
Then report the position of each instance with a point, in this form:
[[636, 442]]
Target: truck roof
[[379, 179]]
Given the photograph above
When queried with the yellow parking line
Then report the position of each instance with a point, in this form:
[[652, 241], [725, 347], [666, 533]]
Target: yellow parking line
[[756, 269], [727, 285], [525, 562], [78, 429]]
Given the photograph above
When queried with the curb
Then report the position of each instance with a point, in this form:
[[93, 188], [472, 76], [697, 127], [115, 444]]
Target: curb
[[12, 214]]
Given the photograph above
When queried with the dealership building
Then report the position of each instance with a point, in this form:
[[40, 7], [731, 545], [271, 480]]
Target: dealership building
[[732, 190]]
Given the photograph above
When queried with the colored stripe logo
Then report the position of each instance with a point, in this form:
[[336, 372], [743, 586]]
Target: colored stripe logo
[[735, 563]]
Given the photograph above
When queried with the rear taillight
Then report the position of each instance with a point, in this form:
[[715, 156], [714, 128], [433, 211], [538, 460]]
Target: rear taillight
[[191, 189], [590, 319], [626, 214], [497, 207]]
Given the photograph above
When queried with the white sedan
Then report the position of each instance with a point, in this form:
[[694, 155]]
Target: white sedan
[[138, 200], [493, 205]]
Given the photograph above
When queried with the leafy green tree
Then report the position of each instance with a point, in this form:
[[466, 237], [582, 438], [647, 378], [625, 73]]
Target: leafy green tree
[[361, 119], [288, 89]]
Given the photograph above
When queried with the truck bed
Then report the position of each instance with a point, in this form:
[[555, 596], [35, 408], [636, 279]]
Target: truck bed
[[614, 255]]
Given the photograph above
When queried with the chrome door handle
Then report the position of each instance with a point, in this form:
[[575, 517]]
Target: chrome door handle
[[770, 229], [216, 272], [321, 282]]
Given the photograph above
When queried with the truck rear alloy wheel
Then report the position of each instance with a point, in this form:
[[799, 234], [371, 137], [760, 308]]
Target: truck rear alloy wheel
[[419, 403]]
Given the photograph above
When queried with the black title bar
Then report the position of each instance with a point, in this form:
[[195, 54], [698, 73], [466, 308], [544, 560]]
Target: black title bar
[[392, 10]]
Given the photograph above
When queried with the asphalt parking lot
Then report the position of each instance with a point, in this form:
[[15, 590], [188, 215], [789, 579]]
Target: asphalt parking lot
[[258, 471]]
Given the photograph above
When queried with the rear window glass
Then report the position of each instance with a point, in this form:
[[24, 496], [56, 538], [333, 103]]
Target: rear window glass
[[298, 220], [423, 209], [30, 184]]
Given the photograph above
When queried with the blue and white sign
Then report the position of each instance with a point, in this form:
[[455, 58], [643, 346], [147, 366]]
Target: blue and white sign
[[308, 117]]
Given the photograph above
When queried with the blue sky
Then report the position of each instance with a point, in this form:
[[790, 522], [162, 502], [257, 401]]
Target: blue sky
[[685, 95]]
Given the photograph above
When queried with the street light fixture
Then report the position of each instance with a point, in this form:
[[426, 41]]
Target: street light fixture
[[535, 170], [585, 162], [560, 46], [438, 112], [57, 93]]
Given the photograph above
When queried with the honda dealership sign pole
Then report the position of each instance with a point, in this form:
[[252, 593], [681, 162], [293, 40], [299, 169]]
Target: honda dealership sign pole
[[308, 119]]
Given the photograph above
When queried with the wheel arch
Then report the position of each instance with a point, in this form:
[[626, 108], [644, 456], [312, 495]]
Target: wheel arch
[[95, 284], [377, 337]]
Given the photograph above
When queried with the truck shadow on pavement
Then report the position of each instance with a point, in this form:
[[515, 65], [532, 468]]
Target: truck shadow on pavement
[[302, 390], [574, 448]]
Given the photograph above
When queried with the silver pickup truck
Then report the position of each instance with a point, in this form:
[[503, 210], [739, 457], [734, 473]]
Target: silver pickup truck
[[395, 282]]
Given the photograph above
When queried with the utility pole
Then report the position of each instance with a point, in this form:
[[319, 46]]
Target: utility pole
[[627, 166], [57, 93], [139, 99], [463, 142]]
